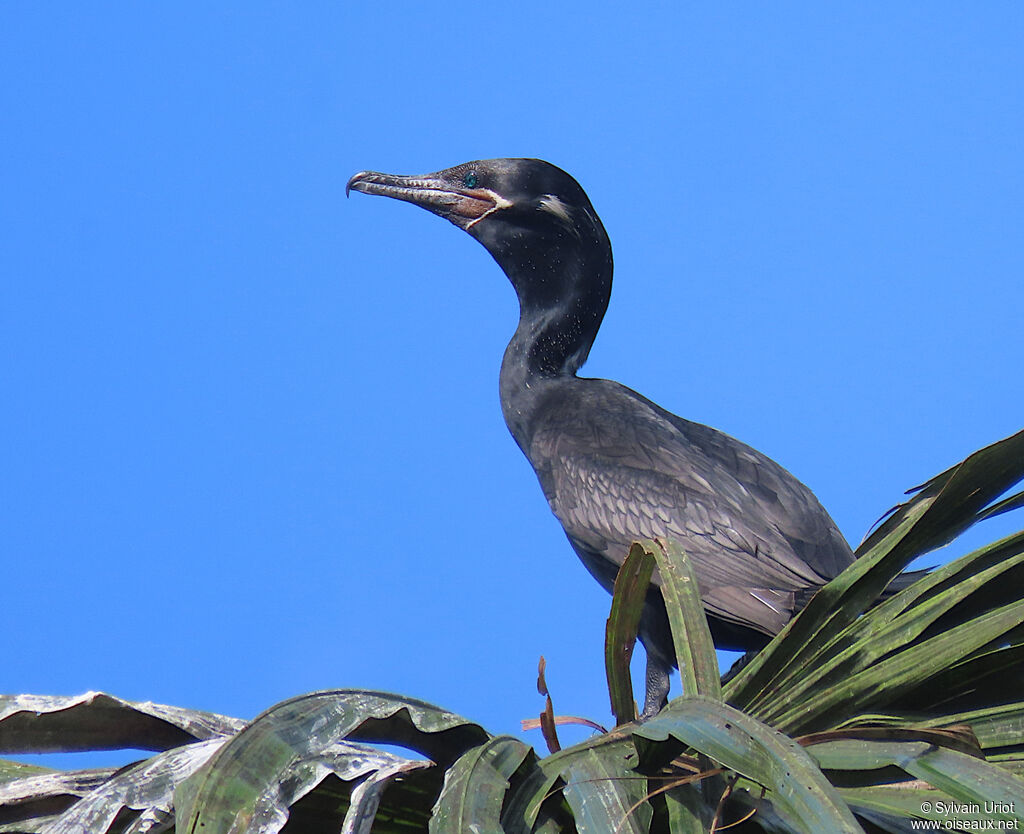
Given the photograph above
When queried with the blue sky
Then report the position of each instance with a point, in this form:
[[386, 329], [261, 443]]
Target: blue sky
[[253, 445]]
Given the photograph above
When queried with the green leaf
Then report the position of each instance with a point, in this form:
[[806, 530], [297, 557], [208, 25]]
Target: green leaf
[[523, 807], [959, 775], [366, 795], [959, 737], [146, 787], [236, 789], [604, 791], [864, 754], [27, 791], [475, 786], [958, 497], [688, 812], [944, 507], [11, 771], [793, 650], [978, 680], [999, 726], [97, 721], [1014, 502], [798, 790], [902, 802], [632, 584], [971, 780], [955, 585], [889, 631], [695, 651], [886, 680], [543, 786]]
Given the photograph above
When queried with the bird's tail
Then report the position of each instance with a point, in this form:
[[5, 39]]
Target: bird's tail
[[904, 580]]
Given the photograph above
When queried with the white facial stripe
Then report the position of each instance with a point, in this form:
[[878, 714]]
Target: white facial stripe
[[550, 203], [499, 203]]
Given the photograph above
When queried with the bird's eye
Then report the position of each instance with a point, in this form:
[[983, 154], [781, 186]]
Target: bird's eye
[[470, 180]]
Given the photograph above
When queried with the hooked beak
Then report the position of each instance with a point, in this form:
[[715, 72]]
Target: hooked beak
[[434, 192]]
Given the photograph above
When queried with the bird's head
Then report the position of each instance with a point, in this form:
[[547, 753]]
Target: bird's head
[[532, 216]]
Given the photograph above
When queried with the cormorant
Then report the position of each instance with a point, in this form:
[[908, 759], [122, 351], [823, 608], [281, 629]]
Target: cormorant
[[613, 465]]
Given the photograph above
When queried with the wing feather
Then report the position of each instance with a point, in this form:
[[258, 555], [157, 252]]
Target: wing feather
[[616, 467]]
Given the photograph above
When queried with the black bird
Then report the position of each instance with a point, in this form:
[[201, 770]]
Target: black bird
[[613, 465]]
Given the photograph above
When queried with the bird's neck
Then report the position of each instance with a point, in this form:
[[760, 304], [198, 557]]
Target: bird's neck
[[559, 316]]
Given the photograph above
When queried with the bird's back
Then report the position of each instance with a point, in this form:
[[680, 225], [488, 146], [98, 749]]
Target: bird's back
[[616, 467]]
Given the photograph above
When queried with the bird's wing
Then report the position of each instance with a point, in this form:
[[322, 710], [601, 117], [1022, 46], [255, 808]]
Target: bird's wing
[[784, 503], [615, 467]]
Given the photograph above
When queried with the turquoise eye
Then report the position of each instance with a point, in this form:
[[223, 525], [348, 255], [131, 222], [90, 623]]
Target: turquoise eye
[[469, 180]]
